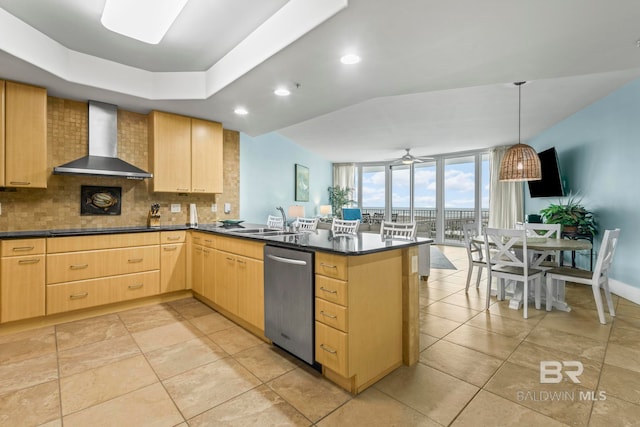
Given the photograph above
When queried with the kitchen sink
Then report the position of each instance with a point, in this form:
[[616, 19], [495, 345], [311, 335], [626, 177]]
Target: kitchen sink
[[278, 233], [253, 230]]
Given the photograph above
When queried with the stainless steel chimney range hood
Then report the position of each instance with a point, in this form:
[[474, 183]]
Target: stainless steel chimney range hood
[[103, 148]]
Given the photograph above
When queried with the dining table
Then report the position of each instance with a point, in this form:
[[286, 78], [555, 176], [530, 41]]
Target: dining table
[[543, 247]]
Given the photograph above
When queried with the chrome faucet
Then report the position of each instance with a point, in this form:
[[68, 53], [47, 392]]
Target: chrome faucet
[[284, 218]]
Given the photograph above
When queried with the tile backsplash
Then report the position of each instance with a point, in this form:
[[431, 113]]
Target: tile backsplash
[[58, 206]]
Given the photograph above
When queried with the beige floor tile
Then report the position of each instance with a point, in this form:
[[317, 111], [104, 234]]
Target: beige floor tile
[[530, 355], [309, 393], [31, 406], [561, 401], [205, 387], [90, 356], [257, 407], [183, 356], [426, 341], [628, 310], [447, 285], [87, 331], [166, 335], [621, 383], [623, 356], [266, 361], [149, 317], [481, 340], [614, 412], [472, 300], [148, 406], [53, 423], [212, 323], [502, 325], [433, 293], [235, 339], [461, 362], [98, 385], [436, 326], [27, 344], [374, 408], [422, 388], [578, 321], [582, 296], [501, 308], [567, 342], [625, 337], [450, 311], [190, 308], [627, 322], [487, 409], [28, 372]]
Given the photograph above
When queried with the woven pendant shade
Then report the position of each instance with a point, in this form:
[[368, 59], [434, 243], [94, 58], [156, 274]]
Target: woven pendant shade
[[520, 162]]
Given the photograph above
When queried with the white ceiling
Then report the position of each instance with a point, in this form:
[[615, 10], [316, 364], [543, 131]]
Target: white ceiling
[[435, 76]]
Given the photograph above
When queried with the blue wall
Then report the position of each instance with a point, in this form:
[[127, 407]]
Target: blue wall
[[267, 169], [599, 153]]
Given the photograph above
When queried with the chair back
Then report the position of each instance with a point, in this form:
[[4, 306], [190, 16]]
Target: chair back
[[607, 249], [275, 222], [550, 231], [351, 214], [395, 230], [306, 224], [504, 252], [474, 249], [377, 217], [341, 226]]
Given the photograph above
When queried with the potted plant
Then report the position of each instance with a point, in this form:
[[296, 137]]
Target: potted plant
[[572, 215], [338, 198]]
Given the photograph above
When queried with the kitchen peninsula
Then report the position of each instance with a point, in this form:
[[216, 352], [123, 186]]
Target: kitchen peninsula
[[366, 288]]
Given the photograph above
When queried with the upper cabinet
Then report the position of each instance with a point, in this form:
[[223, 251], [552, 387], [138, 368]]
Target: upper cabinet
[[24, 117], [186, 154]]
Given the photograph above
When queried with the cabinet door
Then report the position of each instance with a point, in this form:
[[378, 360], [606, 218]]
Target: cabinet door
[[25, 136], [22, 289], [2, 114], [173, 267], [197, 258], [206, 156], [226, 281], [208, 273], [170, 143], [250, 276]]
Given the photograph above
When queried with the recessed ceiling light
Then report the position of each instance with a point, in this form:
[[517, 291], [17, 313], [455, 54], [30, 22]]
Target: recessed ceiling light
[[241, 111], [350, 59], [282, 91], [144, 20]]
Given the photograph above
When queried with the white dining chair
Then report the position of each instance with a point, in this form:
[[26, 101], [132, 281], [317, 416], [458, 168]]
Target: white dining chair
[[275, 222], [598, 278], [397, 230], [506, 263], [306, 224], [543, 260], [475, 253], [344, 226]]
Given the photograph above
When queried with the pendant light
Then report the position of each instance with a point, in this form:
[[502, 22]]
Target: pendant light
[[520, 162]]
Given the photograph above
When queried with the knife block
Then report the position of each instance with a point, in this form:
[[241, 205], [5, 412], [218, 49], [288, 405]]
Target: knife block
[[153, 220]]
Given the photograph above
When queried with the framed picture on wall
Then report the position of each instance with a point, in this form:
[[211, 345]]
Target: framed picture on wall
[[302, 183]]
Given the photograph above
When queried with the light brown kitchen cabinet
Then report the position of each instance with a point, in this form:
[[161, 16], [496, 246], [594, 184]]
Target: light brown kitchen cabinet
[[24, 149], [250, 279], [226, 285], [173, 261], [186, 154], [22, 279], [203, 264]]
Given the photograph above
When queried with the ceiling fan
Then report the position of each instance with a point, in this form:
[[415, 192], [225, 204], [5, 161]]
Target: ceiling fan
[[409, 158]]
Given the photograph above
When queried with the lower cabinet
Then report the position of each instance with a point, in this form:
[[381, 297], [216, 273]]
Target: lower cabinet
[[250, 279], [173, 261]]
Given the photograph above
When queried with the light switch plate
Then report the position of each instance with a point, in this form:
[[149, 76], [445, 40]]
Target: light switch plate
[[414, 264], [175, 207], [214, 207], [227, 208]]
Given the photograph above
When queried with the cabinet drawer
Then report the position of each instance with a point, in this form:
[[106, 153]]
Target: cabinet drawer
[[22, 292], [131, 286], [171, 237], [332, 314], [204, 239], [103, 241], [22, 247], [331, 265], [331, 290], [241, 246], [68, 267], [73, 296], [331, 349]]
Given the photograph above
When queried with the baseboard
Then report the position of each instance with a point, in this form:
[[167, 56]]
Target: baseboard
[[625, 290]]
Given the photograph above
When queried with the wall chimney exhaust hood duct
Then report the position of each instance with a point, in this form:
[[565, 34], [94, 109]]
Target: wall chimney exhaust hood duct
[[103, 148]]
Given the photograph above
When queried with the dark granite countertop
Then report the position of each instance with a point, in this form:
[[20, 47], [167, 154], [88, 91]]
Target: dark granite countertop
[[85, 231]]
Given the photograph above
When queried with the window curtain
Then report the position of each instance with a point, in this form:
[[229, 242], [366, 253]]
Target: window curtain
[[506, 204], [344, 175]]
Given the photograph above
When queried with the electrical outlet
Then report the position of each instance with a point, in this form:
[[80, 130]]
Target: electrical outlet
[[175, 207], [227, 208], [214, 207]]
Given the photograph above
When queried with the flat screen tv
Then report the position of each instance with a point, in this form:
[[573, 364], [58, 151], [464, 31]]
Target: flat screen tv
[[551, 183]]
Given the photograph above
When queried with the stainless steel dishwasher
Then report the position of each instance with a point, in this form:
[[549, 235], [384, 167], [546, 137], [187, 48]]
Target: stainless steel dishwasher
[[289, 300]]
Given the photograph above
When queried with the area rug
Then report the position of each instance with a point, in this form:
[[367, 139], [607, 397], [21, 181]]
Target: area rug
[[439, 260]]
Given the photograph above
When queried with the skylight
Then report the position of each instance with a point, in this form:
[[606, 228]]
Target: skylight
[[144, 20]]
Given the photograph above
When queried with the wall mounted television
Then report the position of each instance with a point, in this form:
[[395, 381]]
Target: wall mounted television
[[551, 183]]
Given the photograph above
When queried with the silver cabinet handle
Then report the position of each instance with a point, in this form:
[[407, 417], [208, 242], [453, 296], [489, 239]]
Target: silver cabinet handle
[[29, 261], [328, 349], [173, 238], [208, 240], [198, 189], [170, 249], [325, 314], [198, 249], [328, 265], [22, 248], [138, 286], [240, 261], [78, 266], [20, 182], [135, 260], [79, 296], [182, 189], [287, 260], [331, 291]]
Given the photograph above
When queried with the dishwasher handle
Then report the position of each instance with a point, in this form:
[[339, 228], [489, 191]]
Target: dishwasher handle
[[287, 260]]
